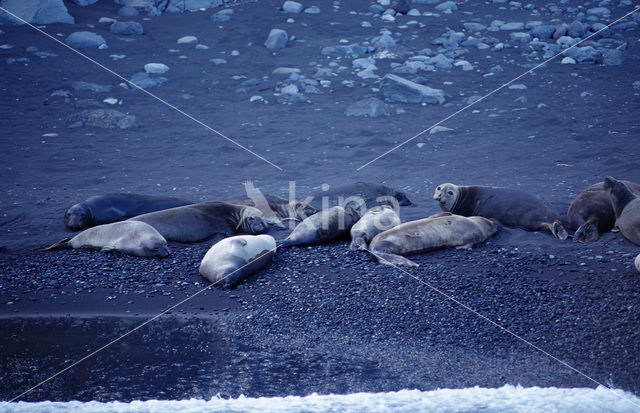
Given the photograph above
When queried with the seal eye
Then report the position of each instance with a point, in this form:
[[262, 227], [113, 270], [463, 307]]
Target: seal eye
[[438, 188], [450, 192]]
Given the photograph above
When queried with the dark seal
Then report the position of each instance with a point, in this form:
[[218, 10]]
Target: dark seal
[[108, 208], [358, 195], [591, 212], [626, 206], [512, 208]]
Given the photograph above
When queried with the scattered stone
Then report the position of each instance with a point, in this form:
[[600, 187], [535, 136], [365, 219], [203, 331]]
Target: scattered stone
[[292, 7], [218, 61], [12, 60], [512, 26], [613, 57], [81, 40], [441, 61], [371, 107], [568, 61], [447, 6], [144, 81], [103, 118], [398, 89], [576, 29], [126, 28], [158, 68], [106, 20], [277, 39], [92, 87], [36, 12], [286, 71], [128, 11], [496, 69], [521, 37], [352, 51], [584, 55], [383, 42], [312, 10], [599, 11], [110, 101], [188, 40], [439, 128], [543, 31], [220, 17], [560, 31], [518, 86], [565, 41], [474, 27]]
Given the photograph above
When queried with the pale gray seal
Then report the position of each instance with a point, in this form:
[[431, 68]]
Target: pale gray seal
[[591, 212], [326, 225], [626, 206], [438, 231], [376, 220], [512, 208], [198, 222], [231, 260], [128, 237], [107, 208]]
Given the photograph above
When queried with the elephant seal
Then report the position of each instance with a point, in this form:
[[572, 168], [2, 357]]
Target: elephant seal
[[360, 195], [512, 208], [626, 206], [233, 259], [437, 231], [198, 222], [326, 225], [280, 207], [104, 209], [376, 220], [591, 212], [129, 237], [637, 262]]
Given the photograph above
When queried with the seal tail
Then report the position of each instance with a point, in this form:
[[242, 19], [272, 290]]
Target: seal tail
[[60, 245]]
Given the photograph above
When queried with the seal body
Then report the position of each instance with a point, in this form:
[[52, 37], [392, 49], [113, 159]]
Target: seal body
[[128, 237], [104, 209], [637, 262], [326, 225], [280, 207], [626, 206], [591, 212], [512, 208], [233, 259], [359, 195], [198, 222], [438, 231], [376, 220]]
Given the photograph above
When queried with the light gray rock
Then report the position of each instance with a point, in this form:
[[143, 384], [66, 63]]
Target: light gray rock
[[576, 29], [126, 28], [157, 68], [599, 11], [447, 6], [144, 81], [512, 26], [92, 87], [103, 118], [441, 61], [474, 27], [352, 51], [543, 31], [292, 7], [383, 42], [566, 41], [371, 107], [312, 10], [188, 40], [83, 39], [277, 39], [398, 89], [521, 37], [613, 57], [35, 11], [220, 17], [568, 61], [584, 55]]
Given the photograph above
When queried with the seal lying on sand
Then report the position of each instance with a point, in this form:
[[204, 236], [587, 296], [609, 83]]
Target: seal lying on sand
[[374, 221], [104, 209], [231, 260], [626, 206], [357, 195], [128, 237], [198, 222], [282, 208], [327, 225], [438, 231], [512, 208], [591, 212]]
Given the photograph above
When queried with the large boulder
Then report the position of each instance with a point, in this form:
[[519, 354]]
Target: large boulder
[[398, 89], [35, 11]]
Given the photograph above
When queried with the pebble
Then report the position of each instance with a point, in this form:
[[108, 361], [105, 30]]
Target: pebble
[[188, 40], [292, 7], [568, 61], [277, 39], [144, 81], [156, 68], [85, 39], [92, 87], [447, 6], [370, 107], [474, 27], [512, 26], [313, 10], [126, 28]]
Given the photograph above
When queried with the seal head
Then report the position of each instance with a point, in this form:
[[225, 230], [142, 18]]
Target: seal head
[[78, 216]]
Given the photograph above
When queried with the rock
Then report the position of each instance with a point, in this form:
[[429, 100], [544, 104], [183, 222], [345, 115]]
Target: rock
[[474, 27], [376, 9], [220, 17], [561, 30], [543, 31], [277, 39], [565, 41], [188, 40], [441, 61], [285, 71], [81, 40], [85, 2], [447, 6], [383, 42], [599, 11], [371, 107], [521, 37], [36, 12], [104, 118], [398, 89], [512, 26], [568, 61], [584, 55], [352, 51], [637, 262], [576, 29], [389, 18], [128, 11], [400, 6], [144, 81], [312, 10], [496, 69], [126, 28], [292, 7], [92, 87], [156, 68], [613, 57]]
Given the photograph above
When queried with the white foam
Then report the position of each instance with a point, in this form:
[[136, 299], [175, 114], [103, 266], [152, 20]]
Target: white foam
[[505, 399]]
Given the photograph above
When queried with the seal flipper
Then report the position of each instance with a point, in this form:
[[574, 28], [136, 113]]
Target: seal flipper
[[60, 245], [394, 259], [358, 243], [556, 229], [588, 232]]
